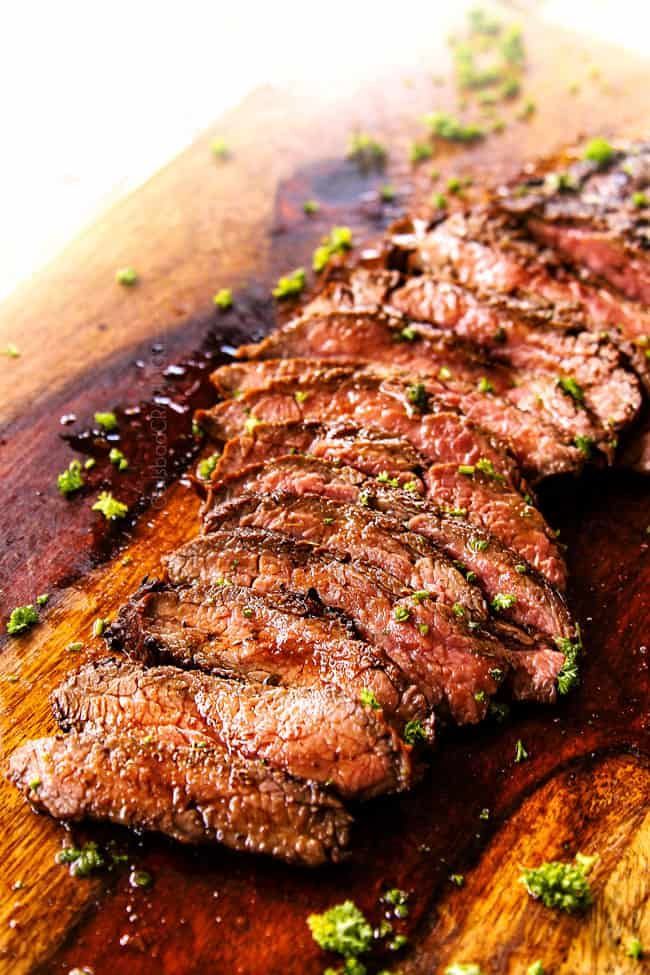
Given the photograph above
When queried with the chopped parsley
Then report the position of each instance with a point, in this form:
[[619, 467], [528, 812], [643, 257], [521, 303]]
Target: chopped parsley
[[512, 46], [82, 861], [368, 699], [410, 486], [569, 675], [520, 752], [70, 480], [247, 612], [34, 784], [414, 732], [300, 396], [458, 610], [536, 969], [401, 613], [367, 152], [439, 201], [640, 200], [444, 373], [477, 544], [21, 618], [454, 184], [564, 886], [503, 600], [11, 351], [343, 929], [107, 421], [206, 466], [408, 334], [43, 599], [521, 568], [117, 457], [599, 151], [457, 879], [420, 152], [290, 284], [338, 241], [99, 626], [250, 423], [451, 129], [585, 445], [223, 299], [463, 968], [75, 646], [468, 469], [419, 595], [110, 507], [527, 109], [484, 385], [572, 388], [484, 814], [398, 900], [220, 149], [126, 276], [416, 394], [510, 88], [635, 949], [384, 478], [486, 467], [423, 629], [364, 499], [387, 193], [140, 878], [310, 207]]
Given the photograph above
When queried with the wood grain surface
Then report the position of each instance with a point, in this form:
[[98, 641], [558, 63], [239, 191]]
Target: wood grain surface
[[86, 344]]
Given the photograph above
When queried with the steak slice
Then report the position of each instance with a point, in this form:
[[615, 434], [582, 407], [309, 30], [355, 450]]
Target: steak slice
[[373, 451], [369, 400], [279, 639], [525, 532], [535, 344], [313, 733], [592, 216], [539, 427], [193, 795], [457, 667], [358, 531], [484, 250], [537, 607]]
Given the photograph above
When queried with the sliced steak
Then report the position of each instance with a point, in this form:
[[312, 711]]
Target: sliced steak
[[358, 531], [483, 250], [369, 400], [315, 733], [279, 639], [525, 531], [537, 606], [458, 667], [592, 214], [193, 795], [337, 441], [535, 344], [540, 428]]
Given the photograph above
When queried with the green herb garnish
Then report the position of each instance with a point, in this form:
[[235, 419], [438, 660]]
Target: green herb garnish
[[117, 457], [110, 507], [368, 699], [599, 151], [21, 618], [107, 421], [223, 299], [451, 129], [82, 861], [401, 613], [126, 276], [310, 207], [414, 732], [290, 284], [572, 388], [343, 929], [484, 385], [419, 152], [416, 394], [564, 886], [520, 752], [11, 351], [71, 480], [338, 241], [503, 600]]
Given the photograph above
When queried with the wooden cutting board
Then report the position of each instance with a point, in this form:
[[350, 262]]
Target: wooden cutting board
[[87, 344]]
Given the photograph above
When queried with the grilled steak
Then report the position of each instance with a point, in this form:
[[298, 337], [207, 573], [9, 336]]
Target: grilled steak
[[449, 658], [369, 400], [592, 215], [537, 606], [313, 732], [193, 795], [279, 639]]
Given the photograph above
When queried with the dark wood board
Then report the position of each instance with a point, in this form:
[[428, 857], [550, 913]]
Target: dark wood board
[[88, 345]]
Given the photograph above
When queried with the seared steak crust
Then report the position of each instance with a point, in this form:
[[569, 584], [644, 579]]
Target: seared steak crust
[[193, 795]]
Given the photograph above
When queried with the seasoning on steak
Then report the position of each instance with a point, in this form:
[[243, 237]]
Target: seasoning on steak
[[314, 733], [537, 606], [279, 639], [194, 795], [457, 665]]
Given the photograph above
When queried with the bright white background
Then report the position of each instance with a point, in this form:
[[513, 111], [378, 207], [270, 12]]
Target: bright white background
[[95, 97]]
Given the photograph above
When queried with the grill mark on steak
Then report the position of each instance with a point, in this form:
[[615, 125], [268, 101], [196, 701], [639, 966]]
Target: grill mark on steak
[[450, 662], [279, 639], [314, 733], [193, 795], [540, 428], [369, 401], [537, 607], [525, 531]]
